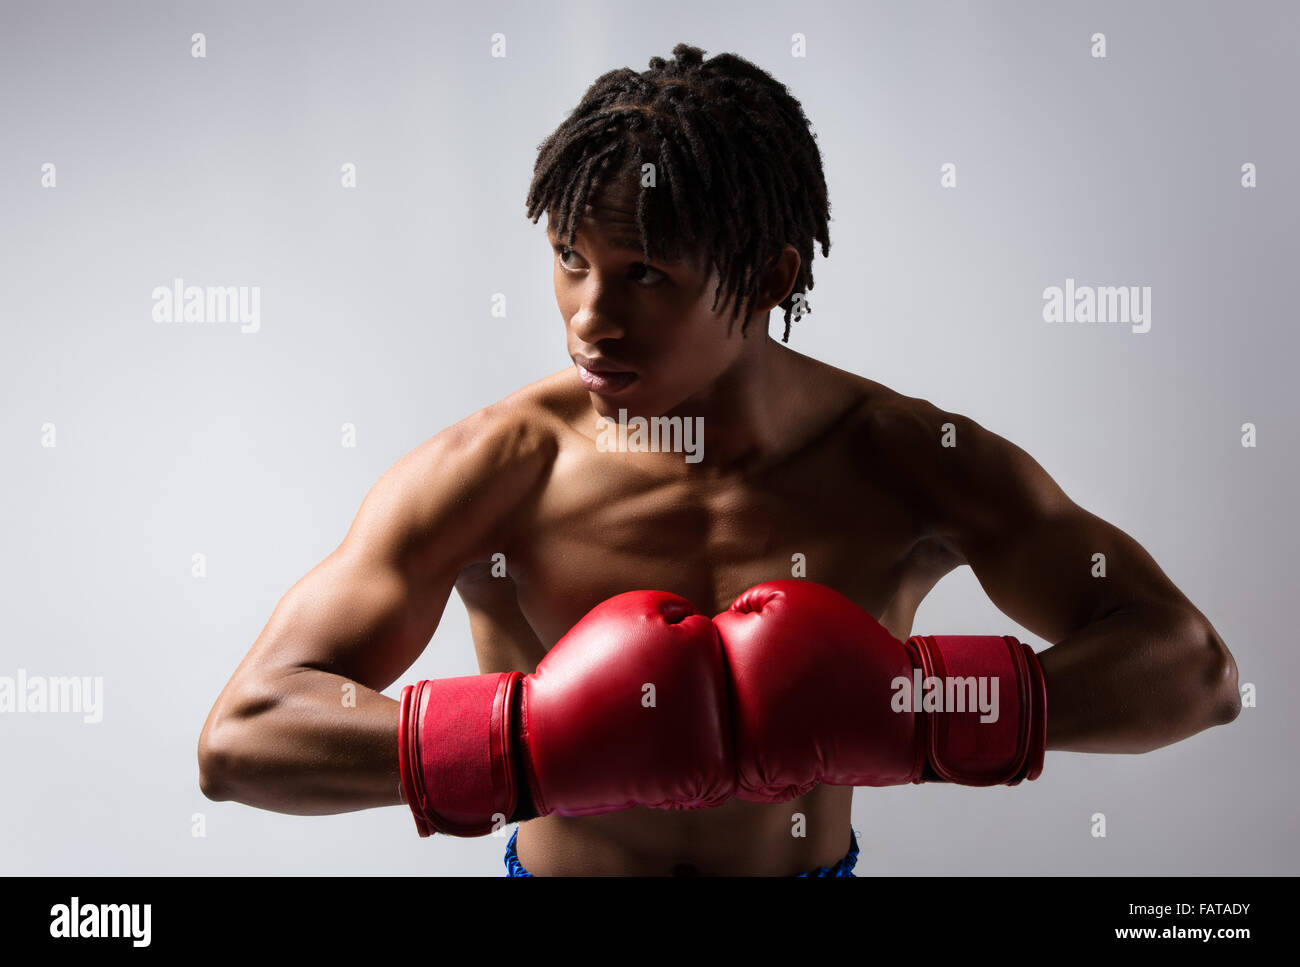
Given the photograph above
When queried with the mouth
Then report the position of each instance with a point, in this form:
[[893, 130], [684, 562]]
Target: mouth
[[602, 377]]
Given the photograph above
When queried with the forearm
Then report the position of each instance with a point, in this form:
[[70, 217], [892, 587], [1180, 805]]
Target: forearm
[[308, 743], [1136, 681]]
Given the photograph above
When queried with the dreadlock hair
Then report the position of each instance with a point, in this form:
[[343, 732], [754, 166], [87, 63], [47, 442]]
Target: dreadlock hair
[[741, 164]]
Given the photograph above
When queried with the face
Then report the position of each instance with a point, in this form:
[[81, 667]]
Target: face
[[641, 334]]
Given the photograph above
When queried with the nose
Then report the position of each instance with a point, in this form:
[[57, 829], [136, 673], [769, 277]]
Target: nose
[[592, 322]]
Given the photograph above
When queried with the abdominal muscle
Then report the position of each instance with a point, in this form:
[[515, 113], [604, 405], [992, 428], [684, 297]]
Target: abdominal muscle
[[737, 838]]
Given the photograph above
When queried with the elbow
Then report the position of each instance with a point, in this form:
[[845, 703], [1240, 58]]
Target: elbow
[[228, 746], [1212, 676], [223, 752], [213, 767], [1225, 700], [1203, 689]]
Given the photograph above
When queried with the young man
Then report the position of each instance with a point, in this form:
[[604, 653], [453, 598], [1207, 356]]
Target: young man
[[683, 205]]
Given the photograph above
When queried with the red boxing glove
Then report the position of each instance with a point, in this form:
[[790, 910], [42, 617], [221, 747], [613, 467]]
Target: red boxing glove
[[582, 734], [822, 693]]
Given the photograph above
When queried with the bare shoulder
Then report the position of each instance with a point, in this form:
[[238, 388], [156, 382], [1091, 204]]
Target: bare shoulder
[[521, 428], [964, 478], [499, 452], [507, 435], [461, 486], [547, 404], [832, 397]]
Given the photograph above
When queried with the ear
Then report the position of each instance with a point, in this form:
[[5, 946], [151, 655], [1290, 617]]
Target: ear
[[778, 278]]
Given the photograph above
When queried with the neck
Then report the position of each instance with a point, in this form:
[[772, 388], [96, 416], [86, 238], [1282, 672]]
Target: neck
[[747, 409]]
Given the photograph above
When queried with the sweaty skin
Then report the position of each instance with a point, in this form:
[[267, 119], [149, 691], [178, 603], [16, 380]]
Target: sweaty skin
[[800, 459]]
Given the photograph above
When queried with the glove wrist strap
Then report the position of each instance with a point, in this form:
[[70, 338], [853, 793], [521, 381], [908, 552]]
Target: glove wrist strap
[[1002, 743], [456, 753]]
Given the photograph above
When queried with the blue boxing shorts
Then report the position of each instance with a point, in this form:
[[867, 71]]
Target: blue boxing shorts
[[843, 868]]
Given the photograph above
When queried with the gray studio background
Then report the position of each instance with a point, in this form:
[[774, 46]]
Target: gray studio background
[[176, 440]]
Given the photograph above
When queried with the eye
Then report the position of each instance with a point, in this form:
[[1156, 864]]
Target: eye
[[563, 251], [650, 268]]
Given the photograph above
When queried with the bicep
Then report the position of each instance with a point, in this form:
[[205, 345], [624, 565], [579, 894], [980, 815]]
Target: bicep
[[370, 608], [357, 614]]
